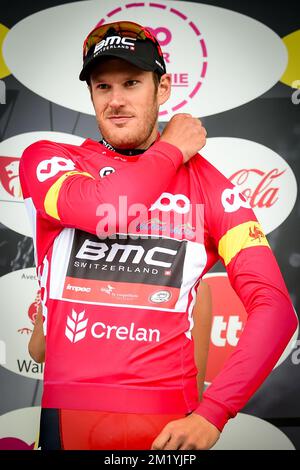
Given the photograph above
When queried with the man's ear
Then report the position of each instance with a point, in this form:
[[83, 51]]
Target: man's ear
[[164, 88]]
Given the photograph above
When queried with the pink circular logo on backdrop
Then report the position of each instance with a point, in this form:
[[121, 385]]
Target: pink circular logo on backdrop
[[12, 443], [180, 39]]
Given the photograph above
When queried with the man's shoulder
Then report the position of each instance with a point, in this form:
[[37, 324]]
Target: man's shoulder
[[40, 146], [50, 144], [208, 174], [46, 148]]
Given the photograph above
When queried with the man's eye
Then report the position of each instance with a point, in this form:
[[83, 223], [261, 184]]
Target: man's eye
[[130, 83], [102, 86]]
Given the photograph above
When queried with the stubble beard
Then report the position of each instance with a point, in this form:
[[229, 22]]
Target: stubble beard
[[136, 138]]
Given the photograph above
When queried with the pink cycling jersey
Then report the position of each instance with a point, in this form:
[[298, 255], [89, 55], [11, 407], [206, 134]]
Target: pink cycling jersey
[[118, 299]]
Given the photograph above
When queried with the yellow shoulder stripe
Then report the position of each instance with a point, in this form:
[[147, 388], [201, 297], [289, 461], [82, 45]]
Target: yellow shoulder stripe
[[50, 202], [36, 442], [242, 236]]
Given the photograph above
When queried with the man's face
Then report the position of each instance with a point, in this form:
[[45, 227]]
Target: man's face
[[126, 103]]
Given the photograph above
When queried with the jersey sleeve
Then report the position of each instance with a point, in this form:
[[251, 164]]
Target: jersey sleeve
[[64, 193], [256, 278]]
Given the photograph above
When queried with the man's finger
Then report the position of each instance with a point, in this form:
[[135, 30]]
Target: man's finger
[[161, 440], [174, 443]]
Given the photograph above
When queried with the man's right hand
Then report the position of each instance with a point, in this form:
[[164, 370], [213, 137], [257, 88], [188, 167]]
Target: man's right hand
[[186, 133]]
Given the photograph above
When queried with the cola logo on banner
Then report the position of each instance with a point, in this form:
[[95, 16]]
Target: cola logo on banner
[[19, 429], [12, 209], [206, 49], [261, 177], [20, 299], [228, 322], [265, 191]]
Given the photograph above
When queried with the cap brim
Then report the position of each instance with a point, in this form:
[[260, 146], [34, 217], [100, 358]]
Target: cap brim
[[90, 64]]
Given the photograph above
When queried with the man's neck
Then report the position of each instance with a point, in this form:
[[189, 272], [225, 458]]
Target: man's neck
[[128, 152]]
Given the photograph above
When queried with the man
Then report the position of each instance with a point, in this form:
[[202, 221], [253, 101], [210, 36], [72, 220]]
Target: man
[[124, 231]]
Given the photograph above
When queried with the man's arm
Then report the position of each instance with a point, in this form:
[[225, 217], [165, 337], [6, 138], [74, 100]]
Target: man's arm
[[62, 192], [65, 194], [202, 316], [255, 276], [36, 345]]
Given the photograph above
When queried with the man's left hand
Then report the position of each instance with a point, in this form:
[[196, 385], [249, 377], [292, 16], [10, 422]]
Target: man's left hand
[[191, 433]]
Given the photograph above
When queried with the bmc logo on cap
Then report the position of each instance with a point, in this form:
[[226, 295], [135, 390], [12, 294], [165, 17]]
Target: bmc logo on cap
[[113, 41]]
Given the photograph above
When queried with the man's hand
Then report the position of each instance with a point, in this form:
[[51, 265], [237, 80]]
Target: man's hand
[[191, 433], [186, 133]]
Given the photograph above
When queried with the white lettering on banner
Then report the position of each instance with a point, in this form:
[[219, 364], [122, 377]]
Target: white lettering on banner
[[230, 330], [112, 40], [48, 168], [233, 200], [100, 330], [172, 204], [96, 250]]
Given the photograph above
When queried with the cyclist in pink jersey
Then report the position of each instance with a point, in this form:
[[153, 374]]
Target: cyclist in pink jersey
[[124, 231]]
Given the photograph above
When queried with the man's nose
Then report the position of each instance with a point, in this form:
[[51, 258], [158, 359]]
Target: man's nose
[[116, 98]]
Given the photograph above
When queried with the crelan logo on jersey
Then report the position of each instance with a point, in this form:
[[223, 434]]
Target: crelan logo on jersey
[[76, 329], [76, 326]]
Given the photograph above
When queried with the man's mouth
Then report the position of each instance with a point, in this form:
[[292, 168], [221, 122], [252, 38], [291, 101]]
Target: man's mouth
[[120, 119]]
